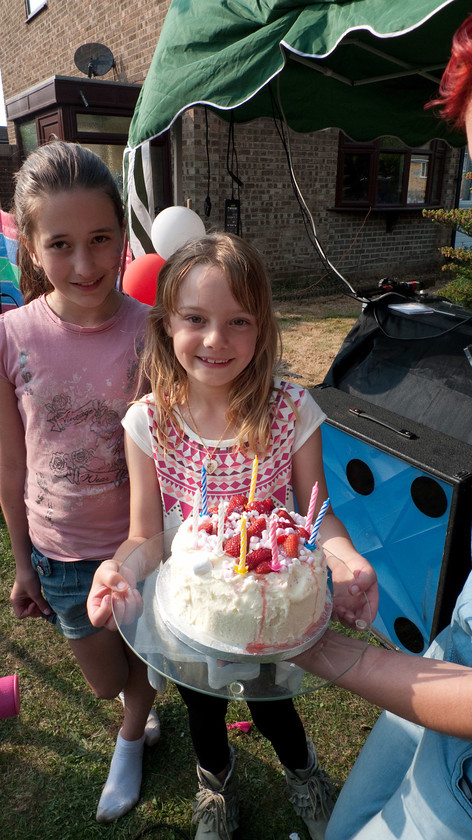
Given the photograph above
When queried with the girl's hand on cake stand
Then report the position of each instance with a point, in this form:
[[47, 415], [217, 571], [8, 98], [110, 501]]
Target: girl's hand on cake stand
[[113, 587], [127, 606], [356, 594], [355, 589]]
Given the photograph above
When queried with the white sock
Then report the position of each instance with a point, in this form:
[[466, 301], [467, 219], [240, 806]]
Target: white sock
[[123, 785], [152, 730]]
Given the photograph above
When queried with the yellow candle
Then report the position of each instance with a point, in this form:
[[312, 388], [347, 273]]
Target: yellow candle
[[252, 488], [241, 567]]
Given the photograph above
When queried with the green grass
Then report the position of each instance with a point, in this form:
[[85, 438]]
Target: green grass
[[293, 321], [54, 757]]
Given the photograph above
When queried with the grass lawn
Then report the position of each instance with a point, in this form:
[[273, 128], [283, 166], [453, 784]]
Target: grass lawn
[[54, 757]]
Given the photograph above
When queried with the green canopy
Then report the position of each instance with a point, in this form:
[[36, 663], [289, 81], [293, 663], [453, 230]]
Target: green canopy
[[365, 66]]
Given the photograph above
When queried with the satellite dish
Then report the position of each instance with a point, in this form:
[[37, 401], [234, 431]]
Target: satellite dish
[[94, 59]]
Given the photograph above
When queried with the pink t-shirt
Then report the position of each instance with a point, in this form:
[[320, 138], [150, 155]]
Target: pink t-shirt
[[73, 386], [179, 471]]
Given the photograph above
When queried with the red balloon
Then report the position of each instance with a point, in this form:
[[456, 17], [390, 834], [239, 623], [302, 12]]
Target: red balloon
[[140, 277]]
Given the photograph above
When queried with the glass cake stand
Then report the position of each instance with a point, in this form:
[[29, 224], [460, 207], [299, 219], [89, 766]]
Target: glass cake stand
[[146, 625]]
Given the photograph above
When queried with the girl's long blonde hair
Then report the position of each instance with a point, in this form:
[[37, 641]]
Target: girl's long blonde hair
[[249, 405]]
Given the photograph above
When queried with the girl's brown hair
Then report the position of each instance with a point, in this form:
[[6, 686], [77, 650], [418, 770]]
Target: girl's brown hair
[[50, 169], [250, 394]]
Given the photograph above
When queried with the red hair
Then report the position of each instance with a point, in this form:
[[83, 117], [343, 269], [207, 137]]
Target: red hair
[[455, 89]]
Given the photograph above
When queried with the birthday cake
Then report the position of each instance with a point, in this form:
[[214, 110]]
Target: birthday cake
[[243, 575]]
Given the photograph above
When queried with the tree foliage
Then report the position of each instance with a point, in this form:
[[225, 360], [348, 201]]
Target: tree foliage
[[458, 260]]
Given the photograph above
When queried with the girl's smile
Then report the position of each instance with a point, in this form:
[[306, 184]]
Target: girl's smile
[[214, 361], [77, 243], [214, 337]]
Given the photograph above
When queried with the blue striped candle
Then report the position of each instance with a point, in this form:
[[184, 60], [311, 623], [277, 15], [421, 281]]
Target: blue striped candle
[[195, 516], [204, 492], [311, 544]]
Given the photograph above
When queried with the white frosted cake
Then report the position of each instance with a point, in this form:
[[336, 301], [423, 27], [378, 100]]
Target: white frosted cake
[[251, 599]]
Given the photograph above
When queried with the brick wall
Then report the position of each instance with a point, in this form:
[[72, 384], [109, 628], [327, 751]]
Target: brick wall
[[129, 29], [364, 249]]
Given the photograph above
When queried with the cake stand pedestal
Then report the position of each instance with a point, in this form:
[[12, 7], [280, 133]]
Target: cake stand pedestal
[[209, 671]]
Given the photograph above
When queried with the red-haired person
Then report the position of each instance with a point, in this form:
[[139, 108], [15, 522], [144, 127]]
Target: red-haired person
[[413, 778]]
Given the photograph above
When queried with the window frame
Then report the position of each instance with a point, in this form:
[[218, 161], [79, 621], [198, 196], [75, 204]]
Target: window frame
[[435, 151], [33, 7]]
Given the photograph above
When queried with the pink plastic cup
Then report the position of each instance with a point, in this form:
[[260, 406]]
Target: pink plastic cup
[[9, 696]]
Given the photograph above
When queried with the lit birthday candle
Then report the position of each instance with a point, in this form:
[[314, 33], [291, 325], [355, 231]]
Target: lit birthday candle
[[195, 515], [221, 528], [252, 488], [311, 544], [241, 567], [274, 565], [311, 507], [204, 492]]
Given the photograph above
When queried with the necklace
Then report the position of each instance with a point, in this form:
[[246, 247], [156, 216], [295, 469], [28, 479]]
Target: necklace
[[209, 461]]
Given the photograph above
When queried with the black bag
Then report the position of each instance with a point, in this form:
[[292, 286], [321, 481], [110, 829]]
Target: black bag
[[416, 365]]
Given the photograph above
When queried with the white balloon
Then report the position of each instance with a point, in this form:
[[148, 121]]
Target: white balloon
[[174, 227]]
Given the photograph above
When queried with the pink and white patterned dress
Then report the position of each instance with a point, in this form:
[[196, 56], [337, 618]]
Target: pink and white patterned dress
[[179, 470]]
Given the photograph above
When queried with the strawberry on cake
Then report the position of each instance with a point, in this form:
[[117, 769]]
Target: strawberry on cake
[[243, 576]]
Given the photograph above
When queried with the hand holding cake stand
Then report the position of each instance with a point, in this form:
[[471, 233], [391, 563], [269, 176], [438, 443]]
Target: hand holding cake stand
[[189, 657]]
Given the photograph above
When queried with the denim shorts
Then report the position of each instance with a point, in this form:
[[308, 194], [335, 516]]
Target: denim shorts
[[66, 586]]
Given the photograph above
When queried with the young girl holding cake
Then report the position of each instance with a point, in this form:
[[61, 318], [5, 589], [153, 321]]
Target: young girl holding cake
[[212, 344]]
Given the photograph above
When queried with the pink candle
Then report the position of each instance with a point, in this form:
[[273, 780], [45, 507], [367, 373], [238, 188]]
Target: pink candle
[[275, 565], [311, 507], [221, 528], [273, 540]]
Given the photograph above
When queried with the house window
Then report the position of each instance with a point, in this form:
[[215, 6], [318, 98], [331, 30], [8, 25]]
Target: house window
[[29, 136], [103, 123], [112, 155], [33, 6], [96, 114], [386, 174]]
